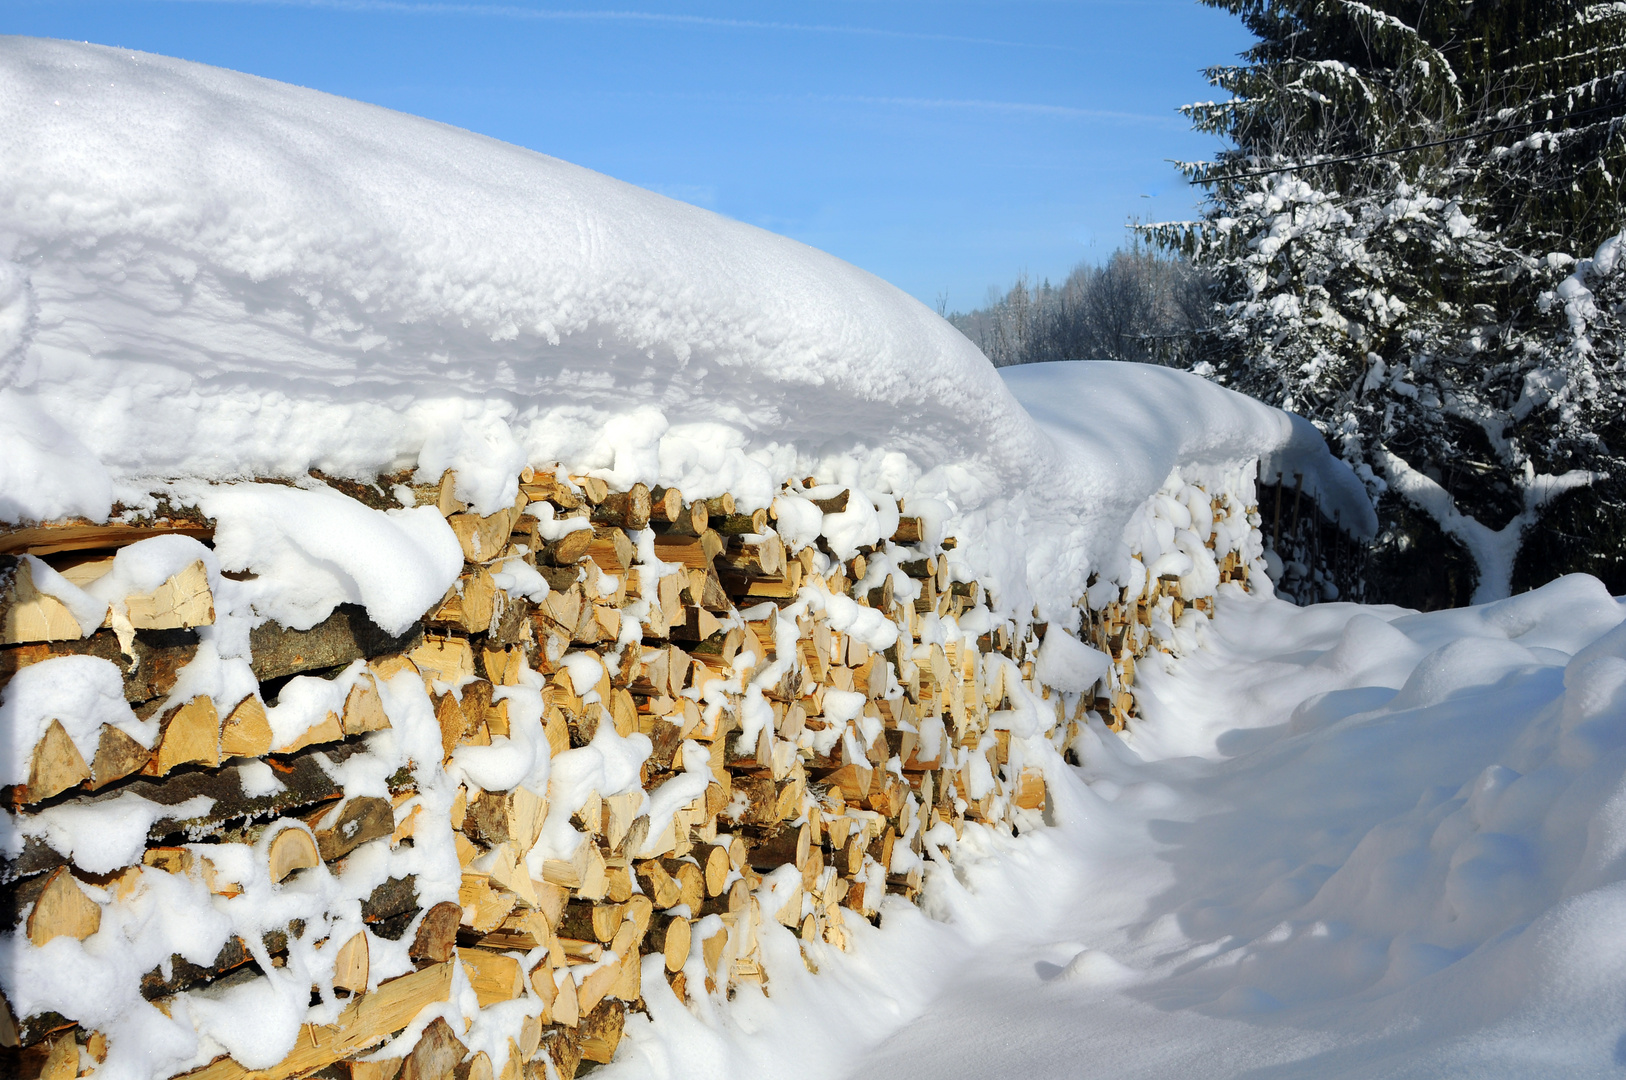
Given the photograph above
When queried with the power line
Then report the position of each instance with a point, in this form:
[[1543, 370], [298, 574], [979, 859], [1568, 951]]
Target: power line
[[1389, 153]]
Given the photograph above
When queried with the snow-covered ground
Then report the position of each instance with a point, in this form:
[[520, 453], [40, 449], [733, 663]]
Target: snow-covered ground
[[1347, 841]]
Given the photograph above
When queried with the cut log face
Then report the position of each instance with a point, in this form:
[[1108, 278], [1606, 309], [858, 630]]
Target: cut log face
[[435, 1056], [360, 819], [364, 709], [669, 935], [184, 600], [350, 968], [328, 731], [191, 733], [57, 765], [62, 910], [292, 849], [246, 731], [483, 538], [449, 659], [566, 1008], [600, 1031], [494, 976], [437, 934], [26, 614]]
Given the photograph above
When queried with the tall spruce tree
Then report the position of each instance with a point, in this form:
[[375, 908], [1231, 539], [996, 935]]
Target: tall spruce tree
[[1395, 237]]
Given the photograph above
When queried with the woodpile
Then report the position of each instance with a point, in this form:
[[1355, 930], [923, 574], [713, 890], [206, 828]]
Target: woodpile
[[1131, 624], [828, 751]]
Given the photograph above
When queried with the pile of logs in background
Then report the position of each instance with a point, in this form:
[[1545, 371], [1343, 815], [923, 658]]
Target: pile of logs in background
[[782, 835]]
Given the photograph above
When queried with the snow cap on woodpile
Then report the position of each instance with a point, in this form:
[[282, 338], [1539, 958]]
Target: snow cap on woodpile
[[208, 275]]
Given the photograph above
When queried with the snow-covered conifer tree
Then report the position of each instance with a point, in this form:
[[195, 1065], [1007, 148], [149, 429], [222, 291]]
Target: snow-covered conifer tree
[[1403, 239]]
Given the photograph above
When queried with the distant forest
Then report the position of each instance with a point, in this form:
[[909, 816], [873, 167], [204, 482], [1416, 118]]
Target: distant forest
[[1138, 305]]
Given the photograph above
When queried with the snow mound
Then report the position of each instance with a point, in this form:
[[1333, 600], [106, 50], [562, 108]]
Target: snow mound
[[209, 275]]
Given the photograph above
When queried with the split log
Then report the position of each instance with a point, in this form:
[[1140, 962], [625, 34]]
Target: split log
[[836, 504], [245, 733], [495, 977], [482, 538], [304, 780], [185, 860], [57, 765], [190, 734], [449, 659], [470, 604], [568, 550], [690, 881], [351, 966], [693, 552], [292, 849], [627, 509], [436, 1054], [545, 486], [28, 615], [363, 708], [600, 1031], [437, 933], [669, 936], [341, 829], [611, 551], [48, 539], [62, 910], [184, 600]]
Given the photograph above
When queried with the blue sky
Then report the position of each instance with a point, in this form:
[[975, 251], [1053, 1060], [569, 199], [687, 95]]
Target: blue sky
[[946, 147]]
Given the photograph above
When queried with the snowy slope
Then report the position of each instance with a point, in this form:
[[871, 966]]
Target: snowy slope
[[206, 274], [1347, 842]]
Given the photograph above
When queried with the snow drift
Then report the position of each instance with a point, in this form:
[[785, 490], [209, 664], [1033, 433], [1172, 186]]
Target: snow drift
[[207, 274]]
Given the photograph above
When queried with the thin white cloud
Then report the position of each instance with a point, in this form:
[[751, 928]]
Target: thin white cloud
[[512, 11], [1029, 108]]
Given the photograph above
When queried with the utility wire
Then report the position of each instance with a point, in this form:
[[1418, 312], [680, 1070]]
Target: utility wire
[[1389, 153]]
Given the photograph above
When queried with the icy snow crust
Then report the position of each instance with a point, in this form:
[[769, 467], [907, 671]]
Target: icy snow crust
[[209, 275]]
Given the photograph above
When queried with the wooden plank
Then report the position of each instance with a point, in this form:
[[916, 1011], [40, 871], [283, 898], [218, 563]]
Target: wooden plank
[[88, 536], [368, 1020]]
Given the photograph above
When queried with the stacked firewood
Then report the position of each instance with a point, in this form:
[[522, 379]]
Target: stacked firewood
[[1134, 622], [828, 747]]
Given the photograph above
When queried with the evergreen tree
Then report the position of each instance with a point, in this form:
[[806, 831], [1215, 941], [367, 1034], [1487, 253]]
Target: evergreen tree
[[1393, 239]]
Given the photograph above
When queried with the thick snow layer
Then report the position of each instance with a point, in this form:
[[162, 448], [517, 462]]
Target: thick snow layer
[[209, 275], [1130, 425], [1346, 841]]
